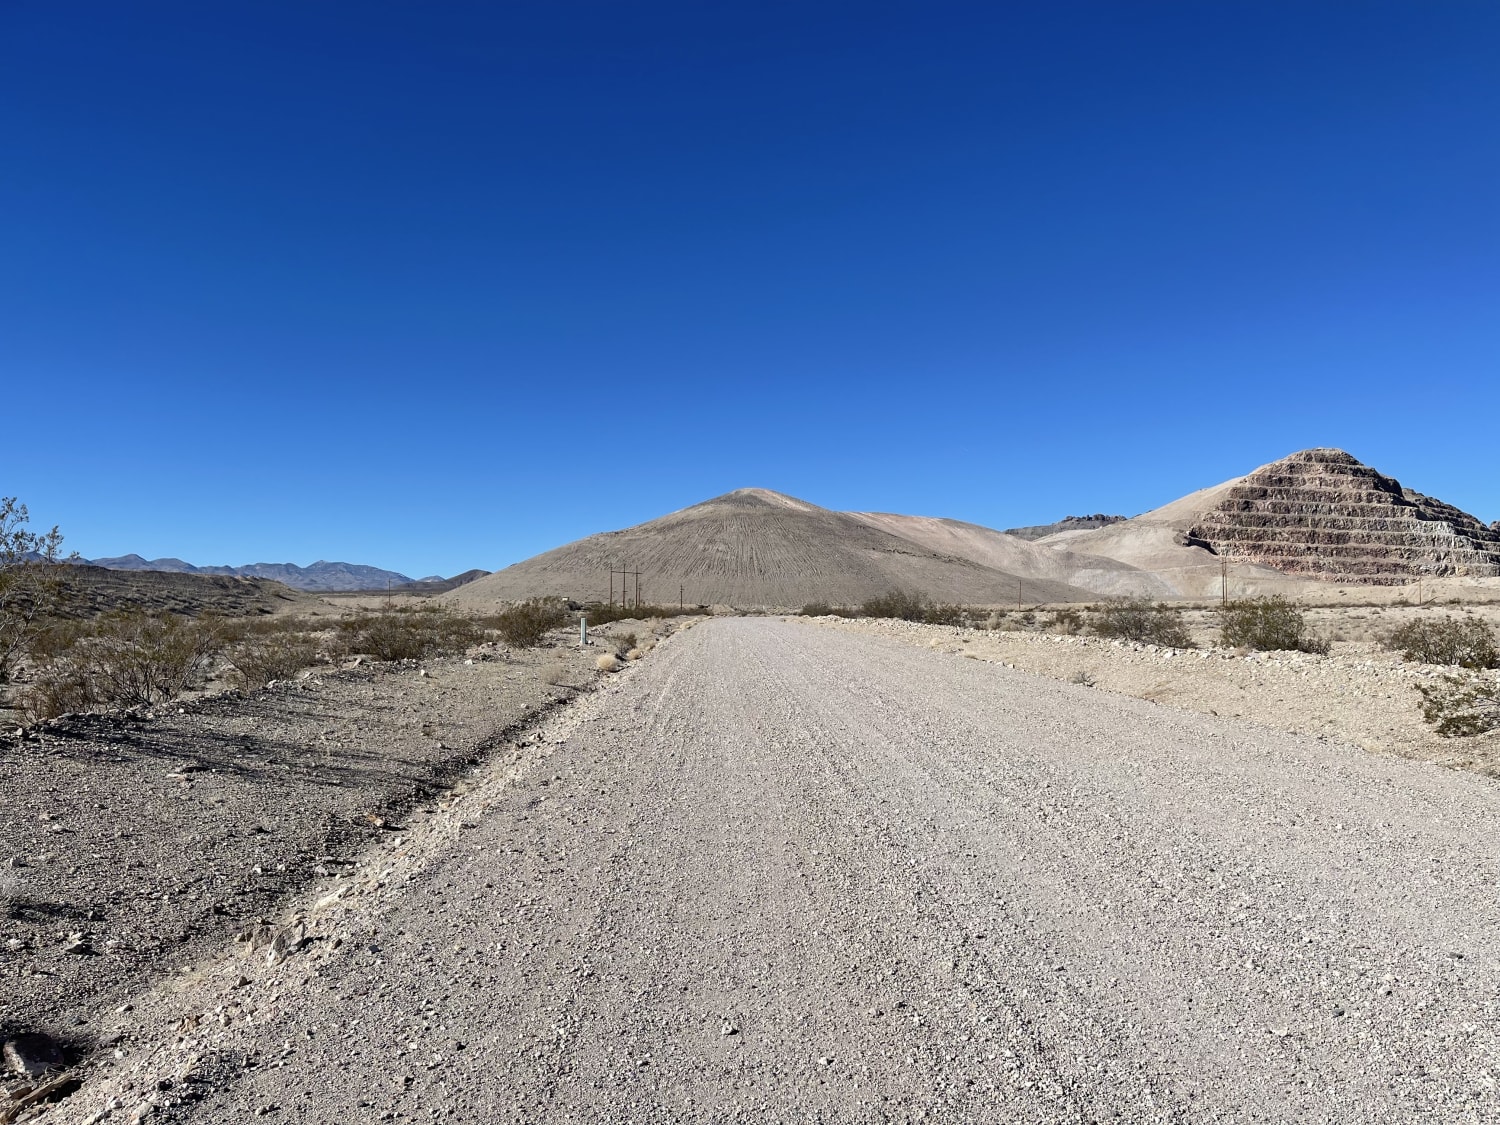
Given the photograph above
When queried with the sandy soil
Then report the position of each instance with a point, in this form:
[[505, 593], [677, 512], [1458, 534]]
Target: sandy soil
[[1360, 693], [131, 847], [780, 872]]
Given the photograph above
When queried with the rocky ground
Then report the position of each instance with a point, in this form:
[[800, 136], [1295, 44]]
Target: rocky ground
[[1361, 692], [781, 872], [133, 846]]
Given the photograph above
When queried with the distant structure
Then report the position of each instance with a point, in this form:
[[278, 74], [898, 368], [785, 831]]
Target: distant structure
[[1322, 514], [1067, 523]]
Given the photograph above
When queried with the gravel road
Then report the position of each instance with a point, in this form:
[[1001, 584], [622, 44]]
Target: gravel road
[[781, 873]]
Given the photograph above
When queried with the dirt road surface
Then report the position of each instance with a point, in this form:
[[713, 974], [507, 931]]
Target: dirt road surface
[[778, 873]]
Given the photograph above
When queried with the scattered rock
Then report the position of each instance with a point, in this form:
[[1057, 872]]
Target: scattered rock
[[286, 942], [32, 1053]]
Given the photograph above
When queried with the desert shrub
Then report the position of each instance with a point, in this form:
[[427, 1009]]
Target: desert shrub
[[902, 605], [634, 654], [408, 634], [608, 662], [527, 625], [276, 656], [555, 674], [815, 609], [118, 660], [1026, 619], [1464, 641], [1267, 625], [1461, 705], [599, 613], [941, 613], [1066, 621], [996, 619], [1136, 619], [31, 582]]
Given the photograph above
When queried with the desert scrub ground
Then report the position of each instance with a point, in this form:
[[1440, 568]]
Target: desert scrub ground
[[1361, 692], [131, 842]]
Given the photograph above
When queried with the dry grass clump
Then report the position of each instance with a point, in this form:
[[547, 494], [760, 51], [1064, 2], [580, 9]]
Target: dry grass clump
[[555, 674], [608, 662], [1267, 625], [1466, 642], [634, 654]]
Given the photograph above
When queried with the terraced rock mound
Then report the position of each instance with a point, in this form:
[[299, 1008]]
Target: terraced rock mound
[[1323, 514]]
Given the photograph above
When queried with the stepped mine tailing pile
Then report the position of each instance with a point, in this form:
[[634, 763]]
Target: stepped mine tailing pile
[[1323, 514]]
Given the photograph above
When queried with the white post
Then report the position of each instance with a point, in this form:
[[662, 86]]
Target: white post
[[583, 632]]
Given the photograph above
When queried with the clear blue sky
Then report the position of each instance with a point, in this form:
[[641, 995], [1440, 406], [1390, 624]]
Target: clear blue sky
[[433, 286]]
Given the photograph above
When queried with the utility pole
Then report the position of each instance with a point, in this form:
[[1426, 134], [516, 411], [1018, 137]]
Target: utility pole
[[679, 597], [611, 587], [1018, 593], [1224, 581], [637, 589]]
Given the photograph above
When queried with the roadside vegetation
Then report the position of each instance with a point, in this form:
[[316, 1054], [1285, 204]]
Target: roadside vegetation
[[1464, 642], [31, 582], [1138, 620], [130, 659], [1461, 705], [1268, 625]]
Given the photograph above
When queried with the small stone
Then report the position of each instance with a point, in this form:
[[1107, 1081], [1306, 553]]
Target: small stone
[[727, 1028], [32, 1053]]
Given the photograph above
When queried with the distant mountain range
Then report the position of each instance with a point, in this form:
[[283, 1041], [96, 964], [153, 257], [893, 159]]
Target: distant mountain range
[[320, 577]]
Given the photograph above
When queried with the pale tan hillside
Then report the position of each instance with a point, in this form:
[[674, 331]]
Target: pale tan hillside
[[1002, 551], [754, 547]]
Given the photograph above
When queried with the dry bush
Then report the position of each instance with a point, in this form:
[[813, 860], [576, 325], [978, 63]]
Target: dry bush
[[1464, 641], [119, 660], [598, 613], [31, 582], [816, 609], [634, 654], [1136, 619], [944, 613], [902, 605], [555, 674], [275, 656], [408, 633], [608, 662], [1065, 621], [1267, 625], [1461, 705], [526, 625], [623, 643]]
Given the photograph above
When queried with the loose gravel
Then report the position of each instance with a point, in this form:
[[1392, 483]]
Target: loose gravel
[[774, 872]]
